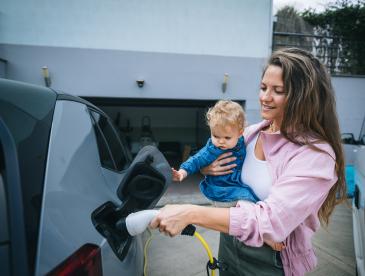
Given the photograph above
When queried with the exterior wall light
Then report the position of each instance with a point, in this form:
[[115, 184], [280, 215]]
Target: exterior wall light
[[225, 82], [47, 79], [140, 83]]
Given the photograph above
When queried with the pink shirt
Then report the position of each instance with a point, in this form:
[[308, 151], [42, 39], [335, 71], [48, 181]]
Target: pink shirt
[[302, 178]]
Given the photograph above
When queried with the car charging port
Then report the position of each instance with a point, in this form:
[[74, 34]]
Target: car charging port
[[141, 187], [105, 219]]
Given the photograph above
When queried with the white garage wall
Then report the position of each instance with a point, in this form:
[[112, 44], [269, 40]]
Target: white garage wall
[[350, 100], [204, 27]]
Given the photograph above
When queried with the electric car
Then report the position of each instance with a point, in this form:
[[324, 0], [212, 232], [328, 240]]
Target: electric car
[[66, 180], [358, 207], [355, 157]]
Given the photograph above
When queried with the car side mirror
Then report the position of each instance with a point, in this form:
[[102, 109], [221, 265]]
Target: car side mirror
[[348, 138]]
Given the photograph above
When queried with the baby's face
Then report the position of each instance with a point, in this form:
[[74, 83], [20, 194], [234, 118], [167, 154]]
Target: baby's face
[[225, 137]]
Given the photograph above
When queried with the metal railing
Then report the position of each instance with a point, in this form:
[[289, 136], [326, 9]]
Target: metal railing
[[341, 56]]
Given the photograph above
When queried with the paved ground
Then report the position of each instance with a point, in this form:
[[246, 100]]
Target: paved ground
[[186, 256], [334, 247]]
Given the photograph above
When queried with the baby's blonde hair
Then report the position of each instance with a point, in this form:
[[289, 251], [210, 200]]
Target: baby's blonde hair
[[226, 113]]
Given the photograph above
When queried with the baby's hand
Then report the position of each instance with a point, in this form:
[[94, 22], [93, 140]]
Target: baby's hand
[[277, 246], [178, 175]]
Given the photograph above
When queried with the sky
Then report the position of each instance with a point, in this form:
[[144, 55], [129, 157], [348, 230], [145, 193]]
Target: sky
[[318, 5]]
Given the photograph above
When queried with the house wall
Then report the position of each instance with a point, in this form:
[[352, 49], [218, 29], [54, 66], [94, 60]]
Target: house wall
[[113, 73], [350, 100], [182, 49], [204, 27]]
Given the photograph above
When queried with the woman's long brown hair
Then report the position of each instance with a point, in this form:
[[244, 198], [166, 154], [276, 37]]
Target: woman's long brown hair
[[310, 113]]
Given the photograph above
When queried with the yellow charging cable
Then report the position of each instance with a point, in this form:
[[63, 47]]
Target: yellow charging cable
[[147, 244], [207, 248], [190, 230]]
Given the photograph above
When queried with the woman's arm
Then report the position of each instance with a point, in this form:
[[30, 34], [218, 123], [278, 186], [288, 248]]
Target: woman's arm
[[299, 192], [172, 219], [219, 167]]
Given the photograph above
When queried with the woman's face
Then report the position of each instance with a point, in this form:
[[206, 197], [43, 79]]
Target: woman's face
[[272, 95]]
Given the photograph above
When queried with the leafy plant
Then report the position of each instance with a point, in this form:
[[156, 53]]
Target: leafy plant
[[344, 22]]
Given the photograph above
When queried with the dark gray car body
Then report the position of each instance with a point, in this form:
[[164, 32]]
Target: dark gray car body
[[358, 203], [64, 174]]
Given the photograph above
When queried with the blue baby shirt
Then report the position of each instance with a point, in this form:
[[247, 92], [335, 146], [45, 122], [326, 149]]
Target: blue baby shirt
[[222, 188]]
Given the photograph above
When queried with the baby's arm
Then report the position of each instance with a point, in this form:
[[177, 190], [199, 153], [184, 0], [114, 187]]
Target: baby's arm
[[179, 175], [201, 159], [194, 163]]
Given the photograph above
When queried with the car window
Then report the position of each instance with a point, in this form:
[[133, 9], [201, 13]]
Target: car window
[[111, 152]]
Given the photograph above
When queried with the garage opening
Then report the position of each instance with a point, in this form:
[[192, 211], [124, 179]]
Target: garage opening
[[176, 127]]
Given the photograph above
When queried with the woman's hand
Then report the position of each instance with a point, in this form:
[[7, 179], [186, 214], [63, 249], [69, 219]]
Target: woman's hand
[[219, 167], [172, 219]]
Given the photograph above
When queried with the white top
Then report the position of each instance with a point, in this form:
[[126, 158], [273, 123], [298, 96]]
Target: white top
[[255, 172]]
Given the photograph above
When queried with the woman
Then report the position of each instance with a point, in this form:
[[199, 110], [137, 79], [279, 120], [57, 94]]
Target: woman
[[296, 162]]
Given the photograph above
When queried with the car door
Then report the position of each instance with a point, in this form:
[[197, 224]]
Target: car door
[[140, 185], [73, 186], [85, 166]]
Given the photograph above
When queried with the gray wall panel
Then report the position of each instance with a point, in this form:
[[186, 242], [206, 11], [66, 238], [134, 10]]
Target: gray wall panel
[[112, 73]]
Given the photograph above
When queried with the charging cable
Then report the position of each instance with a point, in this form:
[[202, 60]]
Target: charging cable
[[146, 246], [136, 223], [213, 263]]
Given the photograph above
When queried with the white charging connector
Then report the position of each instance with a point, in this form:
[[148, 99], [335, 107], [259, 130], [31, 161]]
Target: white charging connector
[[137, 222]]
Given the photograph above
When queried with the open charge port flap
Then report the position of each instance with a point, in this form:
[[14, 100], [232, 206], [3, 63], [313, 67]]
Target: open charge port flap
[[141, 187]]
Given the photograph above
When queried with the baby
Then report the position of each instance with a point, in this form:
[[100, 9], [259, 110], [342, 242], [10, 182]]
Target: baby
[[226, 122]]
